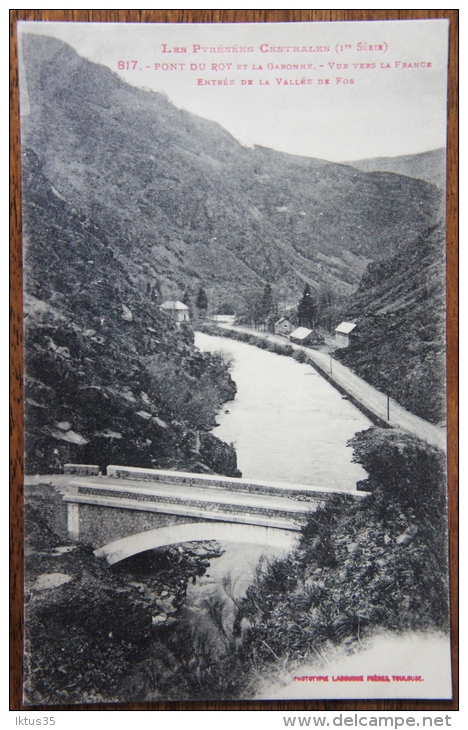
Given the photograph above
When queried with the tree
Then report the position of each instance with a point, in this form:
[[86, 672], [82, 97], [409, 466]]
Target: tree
[[202, 299], [329, 303], [253, 309], [187, 300], [267, 304], [306, 309], [267, 299]]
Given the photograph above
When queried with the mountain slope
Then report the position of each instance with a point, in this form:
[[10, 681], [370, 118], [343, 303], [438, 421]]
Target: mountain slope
[[428, 166], [400, 311], [190, 204]]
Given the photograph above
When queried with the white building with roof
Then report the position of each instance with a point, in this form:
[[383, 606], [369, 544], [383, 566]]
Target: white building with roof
[[283, 326], [178, 311], [344, 332], [300, 336]]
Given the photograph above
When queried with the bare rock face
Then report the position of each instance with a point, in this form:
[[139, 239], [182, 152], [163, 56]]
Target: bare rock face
[[165, 604], [407, 536], [51, 580]]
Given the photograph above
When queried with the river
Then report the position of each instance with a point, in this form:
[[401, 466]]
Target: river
[[287, 423]]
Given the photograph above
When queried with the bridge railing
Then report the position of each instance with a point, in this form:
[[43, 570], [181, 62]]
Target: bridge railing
[[216, 481]]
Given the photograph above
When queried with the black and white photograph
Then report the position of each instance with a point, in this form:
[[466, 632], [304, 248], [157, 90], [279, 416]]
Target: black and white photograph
[[234, 243]]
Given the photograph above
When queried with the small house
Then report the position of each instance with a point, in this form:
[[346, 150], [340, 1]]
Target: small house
[[301, 336], [344, 332], [178, 311], [283, 326]]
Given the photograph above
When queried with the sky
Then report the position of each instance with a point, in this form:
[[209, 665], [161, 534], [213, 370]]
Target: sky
[[342, 91]]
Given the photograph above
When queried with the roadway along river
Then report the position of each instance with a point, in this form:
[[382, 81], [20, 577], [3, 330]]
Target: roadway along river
[[287, 423]]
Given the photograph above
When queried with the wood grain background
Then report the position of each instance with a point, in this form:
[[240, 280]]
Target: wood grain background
[[16, 334]]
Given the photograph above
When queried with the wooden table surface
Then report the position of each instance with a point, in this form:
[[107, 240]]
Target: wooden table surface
[[16, 344]]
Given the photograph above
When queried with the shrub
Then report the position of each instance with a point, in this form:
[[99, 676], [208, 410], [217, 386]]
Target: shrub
[[300, 356]]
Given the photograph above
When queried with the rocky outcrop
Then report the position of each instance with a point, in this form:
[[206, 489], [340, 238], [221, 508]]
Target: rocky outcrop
[[219, 456]]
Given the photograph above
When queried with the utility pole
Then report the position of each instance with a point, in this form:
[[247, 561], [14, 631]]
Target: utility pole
[[388, 408], [331, 365]]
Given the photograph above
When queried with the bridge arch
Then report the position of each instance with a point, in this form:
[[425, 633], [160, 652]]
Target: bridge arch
[[118, 550]]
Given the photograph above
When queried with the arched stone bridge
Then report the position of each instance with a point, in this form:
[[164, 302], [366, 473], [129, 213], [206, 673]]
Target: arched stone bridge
[[131, 510]]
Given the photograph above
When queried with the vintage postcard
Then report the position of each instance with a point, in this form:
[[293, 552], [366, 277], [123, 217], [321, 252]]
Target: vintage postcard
[[235, 436]]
